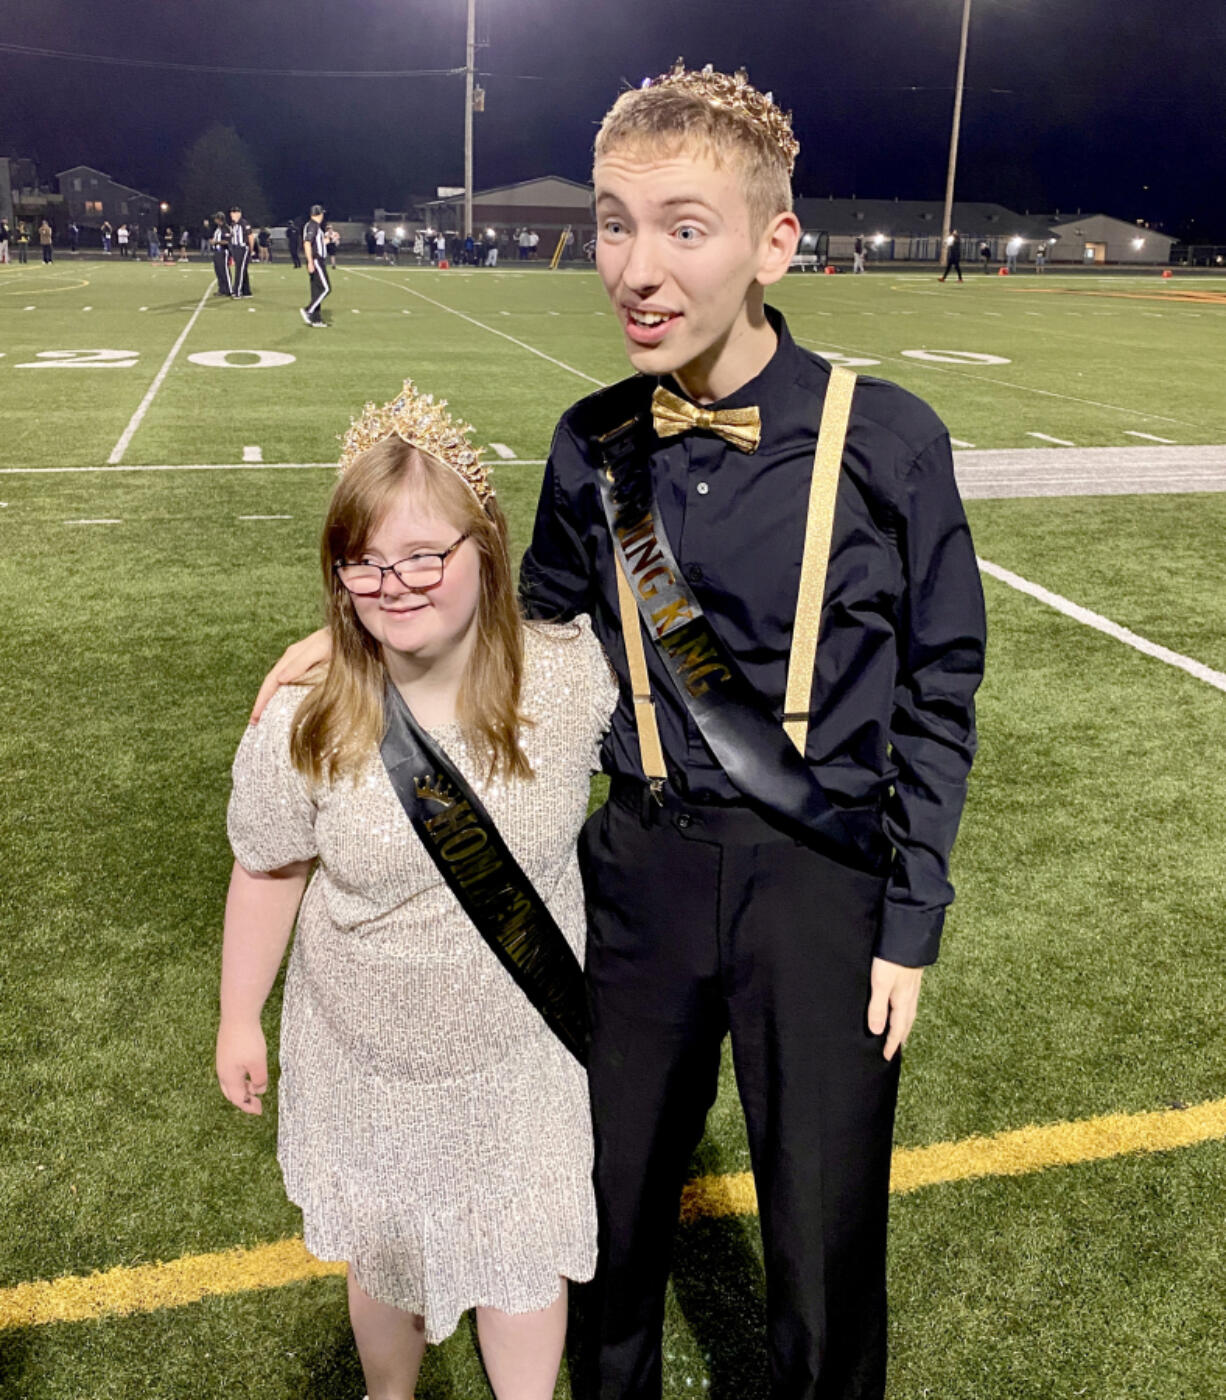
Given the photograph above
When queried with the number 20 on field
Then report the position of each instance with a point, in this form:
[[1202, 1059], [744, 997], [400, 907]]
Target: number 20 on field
[[125, 359]]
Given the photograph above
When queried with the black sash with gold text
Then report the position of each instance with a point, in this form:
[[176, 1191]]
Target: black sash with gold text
[[747, 742], [461, 839]]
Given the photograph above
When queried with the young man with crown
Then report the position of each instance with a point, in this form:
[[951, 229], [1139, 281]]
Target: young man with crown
[[772, 861], [773, 858]]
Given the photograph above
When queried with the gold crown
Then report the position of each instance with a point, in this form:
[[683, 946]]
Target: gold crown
[[437, 789], [425, 424], [737, 94]]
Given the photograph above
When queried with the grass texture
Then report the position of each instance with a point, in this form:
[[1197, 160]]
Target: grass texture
[[1081, 973]]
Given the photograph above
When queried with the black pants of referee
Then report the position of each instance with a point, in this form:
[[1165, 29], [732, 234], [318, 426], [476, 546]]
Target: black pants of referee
[[321, 285], [701, 921], [242, 283], [221, 269]]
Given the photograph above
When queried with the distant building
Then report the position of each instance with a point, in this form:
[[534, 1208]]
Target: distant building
[[24, 196], [1099, 238], [909, 230], [547, 205], [91, 196]]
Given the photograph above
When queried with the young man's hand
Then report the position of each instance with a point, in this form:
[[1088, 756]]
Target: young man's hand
[[895, 995], [295, 662]]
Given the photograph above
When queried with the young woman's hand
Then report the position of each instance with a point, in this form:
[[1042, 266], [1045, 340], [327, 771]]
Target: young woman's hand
[[242, 1065], [295, 662]]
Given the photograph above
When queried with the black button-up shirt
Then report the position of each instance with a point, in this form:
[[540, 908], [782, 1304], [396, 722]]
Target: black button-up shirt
[[901, 648]]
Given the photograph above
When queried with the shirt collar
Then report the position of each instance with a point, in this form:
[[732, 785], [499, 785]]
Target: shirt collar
[[768, 387]]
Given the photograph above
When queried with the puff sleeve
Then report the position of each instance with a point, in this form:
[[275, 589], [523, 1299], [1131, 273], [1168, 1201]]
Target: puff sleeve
[[271, 817]]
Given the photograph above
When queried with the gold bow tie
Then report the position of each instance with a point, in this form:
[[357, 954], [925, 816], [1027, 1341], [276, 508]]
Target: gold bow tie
[[742, 427]]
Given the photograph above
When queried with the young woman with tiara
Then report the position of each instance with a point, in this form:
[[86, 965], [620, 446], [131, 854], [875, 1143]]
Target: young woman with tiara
[[415, 806]]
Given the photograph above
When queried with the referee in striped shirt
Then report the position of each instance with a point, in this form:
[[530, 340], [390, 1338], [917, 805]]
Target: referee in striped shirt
[[316, 252]]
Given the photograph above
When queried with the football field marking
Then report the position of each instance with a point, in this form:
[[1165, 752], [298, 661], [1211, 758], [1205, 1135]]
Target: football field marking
[[1046, 437], [1105, 625], [503, 451], [1149, 437], [472, 321], [147, 1288], [253, 454], [138, 417], [1005, 383], [93, 522]]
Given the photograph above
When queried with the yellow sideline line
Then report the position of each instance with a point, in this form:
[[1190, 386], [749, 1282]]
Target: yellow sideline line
[[148, 1287]]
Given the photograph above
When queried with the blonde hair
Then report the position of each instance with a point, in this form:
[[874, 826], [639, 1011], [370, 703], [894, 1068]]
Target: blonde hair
[[342, 719], [669, 121]]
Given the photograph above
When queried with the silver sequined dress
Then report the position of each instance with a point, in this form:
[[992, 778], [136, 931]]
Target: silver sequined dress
[[432, 1129]]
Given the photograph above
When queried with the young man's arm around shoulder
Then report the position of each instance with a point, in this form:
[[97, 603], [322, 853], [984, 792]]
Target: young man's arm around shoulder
[[555, 578]]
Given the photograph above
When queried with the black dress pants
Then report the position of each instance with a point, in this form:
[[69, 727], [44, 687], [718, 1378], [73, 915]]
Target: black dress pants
[[241, 286], [705, 920], [221, 270]]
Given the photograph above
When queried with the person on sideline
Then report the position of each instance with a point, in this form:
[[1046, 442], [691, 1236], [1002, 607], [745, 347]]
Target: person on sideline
[[315, 248], [953, 255], [407, 806], [773, 858], [857, 254]]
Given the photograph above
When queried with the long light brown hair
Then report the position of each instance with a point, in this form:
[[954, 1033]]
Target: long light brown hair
[[342, 720]]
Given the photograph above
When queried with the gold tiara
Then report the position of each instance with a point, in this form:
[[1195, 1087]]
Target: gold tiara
[[736, 94], [420, 421]]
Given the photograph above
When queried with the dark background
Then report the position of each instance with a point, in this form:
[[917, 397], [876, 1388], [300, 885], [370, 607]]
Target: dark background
[[1111, 105]]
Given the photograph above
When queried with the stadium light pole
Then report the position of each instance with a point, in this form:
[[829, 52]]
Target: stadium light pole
[[469, 74], [947, 221]]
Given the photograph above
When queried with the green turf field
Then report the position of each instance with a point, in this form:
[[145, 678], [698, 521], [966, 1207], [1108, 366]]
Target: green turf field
[[1082, 970]]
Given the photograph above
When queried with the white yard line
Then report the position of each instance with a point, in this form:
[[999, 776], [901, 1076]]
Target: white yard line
[[265, 517], [213, 467], [139, 416], [1105, 625], [472, 321]]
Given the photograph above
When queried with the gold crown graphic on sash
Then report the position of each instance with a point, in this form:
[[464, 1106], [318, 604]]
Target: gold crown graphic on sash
[[735, 93], [423, 422]]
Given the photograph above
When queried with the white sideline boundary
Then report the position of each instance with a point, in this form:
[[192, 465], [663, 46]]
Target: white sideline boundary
[[1104, 625], [217, 467], [472, 321], [139, 416]]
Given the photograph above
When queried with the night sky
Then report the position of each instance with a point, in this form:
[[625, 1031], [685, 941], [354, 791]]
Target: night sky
[[1111, 105]]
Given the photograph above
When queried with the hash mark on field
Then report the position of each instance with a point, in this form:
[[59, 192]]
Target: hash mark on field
[[265, 517], [1106, 626], [31, 308], [1149, 437], [1046, 437], [139, 416], [957, 442], [93, 522], [253, 454], [87, 308], [503, 451]]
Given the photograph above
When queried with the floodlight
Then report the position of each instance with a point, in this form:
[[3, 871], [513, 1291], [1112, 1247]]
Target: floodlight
[[1138, 243], [400, 233], [878, 240], [491, 233]]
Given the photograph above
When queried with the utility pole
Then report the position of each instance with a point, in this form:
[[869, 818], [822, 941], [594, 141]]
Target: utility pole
[[947, 221], [469, 74]]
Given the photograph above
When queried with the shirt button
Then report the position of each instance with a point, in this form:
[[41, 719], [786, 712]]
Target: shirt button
[[694, 573], [702, 488]]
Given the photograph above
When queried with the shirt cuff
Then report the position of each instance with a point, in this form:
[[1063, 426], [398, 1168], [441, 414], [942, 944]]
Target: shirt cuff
[[910, 936]]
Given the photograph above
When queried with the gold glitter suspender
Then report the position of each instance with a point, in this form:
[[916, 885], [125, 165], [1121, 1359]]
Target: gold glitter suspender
[[819, 526], [651, 751]]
